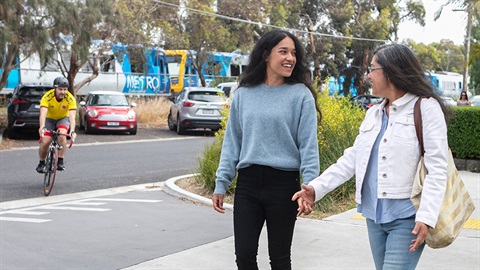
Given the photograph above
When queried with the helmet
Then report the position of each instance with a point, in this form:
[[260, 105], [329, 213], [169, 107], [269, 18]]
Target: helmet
[[60, 82]]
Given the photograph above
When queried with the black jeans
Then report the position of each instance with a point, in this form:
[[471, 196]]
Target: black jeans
[[264, 194]]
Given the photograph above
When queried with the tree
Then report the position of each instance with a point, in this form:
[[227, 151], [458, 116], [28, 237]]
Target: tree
[[72, 27], [22, 33]]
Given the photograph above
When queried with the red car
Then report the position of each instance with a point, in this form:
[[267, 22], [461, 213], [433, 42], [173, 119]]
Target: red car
[[107, 110]]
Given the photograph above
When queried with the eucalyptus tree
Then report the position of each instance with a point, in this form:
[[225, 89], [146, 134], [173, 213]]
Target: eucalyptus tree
[[22, 32], [73, 25], [367, 23]]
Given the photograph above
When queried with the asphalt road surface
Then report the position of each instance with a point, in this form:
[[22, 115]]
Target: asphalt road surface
[[95, 218], [102, 161]]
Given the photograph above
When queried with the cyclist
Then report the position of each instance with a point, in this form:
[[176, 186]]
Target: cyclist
[[58, 108]]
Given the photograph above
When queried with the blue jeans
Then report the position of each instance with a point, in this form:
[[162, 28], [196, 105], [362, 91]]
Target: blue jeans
[[390, 244], [263, 194]]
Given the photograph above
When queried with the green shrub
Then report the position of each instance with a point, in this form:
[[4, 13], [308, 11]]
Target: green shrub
[[207, 164], [336, 132], [464, 132]]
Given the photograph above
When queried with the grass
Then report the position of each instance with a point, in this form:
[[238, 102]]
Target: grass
[[152, 111]]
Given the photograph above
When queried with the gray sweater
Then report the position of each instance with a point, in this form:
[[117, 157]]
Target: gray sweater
[[274, 126]]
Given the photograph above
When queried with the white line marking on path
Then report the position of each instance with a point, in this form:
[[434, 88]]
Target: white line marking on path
[[31, 220]]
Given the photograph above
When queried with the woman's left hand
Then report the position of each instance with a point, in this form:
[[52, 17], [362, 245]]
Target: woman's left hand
[[421, 231]]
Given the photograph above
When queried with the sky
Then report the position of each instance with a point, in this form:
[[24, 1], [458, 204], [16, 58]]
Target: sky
[[451, 25]]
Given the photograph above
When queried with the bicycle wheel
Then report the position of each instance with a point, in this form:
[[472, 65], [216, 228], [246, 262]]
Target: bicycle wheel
[[50, 170]]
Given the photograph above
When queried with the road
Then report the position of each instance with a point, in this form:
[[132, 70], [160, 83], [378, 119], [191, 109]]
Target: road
[[102, 161], [95, 218]]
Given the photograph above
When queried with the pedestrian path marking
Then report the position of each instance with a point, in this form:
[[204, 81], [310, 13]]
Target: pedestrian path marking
[[30, 220], [78, 205], [471, 223]]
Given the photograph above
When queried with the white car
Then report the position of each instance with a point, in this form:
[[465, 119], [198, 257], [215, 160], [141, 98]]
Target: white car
[[448, 101], [475, 100]]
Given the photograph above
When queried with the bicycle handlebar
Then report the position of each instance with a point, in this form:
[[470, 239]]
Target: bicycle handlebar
[[72, 139]]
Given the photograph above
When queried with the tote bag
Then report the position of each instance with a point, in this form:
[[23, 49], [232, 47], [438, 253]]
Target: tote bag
[[457, 205]]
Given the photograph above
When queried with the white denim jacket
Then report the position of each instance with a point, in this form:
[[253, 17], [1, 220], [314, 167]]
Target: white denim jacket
[[398, 156]]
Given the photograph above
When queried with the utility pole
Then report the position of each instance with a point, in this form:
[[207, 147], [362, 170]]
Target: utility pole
[[467, 48]]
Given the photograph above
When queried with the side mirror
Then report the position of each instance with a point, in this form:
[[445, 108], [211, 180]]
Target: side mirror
[[133, 104], [172, 99], [82, 103]]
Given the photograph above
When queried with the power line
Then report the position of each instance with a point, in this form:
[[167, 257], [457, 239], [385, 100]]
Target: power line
[[264, 24]]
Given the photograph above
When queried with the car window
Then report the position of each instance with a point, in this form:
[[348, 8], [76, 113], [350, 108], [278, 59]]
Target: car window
[[377, 100], [119, 100], [32, 92], [206, 96]]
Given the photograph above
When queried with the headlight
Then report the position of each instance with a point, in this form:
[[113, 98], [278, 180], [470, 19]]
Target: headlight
[[92, 113], [131, 114]]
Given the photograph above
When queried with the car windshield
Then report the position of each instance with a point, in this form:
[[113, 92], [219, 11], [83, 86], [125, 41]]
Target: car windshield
[[206, 96], [109, 100]]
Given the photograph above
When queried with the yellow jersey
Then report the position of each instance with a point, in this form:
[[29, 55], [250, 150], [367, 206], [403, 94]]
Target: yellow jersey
[[58, 109]]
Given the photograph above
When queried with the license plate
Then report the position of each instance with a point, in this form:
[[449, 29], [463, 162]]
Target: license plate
[[207, 111], [112, 124]]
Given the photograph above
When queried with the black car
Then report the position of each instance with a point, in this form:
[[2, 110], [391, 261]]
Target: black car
[[366, 101], [24, 107]]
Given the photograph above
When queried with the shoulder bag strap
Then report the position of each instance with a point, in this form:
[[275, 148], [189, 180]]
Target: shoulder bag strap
[[417, 118]]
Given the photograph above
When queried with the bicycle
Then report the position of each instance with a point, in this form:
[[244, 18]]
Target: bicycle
[[51, 161]]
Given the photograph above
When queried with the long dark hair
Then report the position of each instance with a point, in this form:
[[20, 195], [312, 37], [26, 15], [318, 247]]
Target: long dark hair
[[404, 71], [256, 70]]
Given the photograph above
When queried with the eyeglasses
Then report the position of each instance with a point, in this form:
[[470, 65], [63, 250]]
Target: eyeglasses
[[372, 69]]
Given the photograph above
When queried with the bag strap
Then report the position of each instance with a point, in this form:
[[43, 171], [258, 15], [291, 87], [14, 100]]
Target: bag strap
[[417, 119]]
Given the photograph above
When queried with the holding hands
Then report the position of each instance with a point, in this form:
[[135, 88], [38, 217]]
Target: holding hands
[[305, 199]]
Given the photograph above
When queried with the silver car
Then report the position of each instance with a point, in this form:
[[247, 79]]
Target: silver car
[[196, 107]]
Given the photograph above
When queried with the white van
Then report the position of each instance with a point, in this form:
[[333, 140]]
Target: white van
[[228, 88]]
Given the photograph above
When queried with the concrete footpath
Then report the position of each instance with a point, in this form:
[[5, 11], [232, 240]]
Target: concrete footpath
[[337, 242]]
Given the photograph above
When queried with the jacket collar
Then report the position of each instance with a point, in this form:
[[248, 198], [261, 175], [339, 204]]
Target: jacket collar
[[401, 102]]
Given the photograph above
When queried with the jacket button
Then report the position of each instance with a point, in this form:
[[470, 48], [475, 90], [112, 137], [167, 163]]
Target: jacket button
[[384, 194], [394, 109], [384, 140], [384, 175], [384, 158]]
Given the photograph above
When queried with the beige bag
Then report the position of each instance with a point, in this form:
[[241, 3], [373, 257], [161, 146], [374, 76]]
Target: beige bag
[[457, 205]]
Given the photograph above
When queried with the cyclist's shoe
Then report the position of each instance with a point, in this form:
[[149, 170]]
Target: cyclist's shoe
[[41, 168], [60, 166]]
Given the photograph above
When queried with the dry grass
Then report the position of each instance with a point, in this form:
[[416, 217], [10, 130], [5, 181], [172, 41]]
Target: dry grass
[[152, 112]]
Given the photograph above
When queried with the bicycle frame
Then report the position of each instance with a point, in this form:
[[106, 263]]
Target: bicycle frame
[[51, 160]]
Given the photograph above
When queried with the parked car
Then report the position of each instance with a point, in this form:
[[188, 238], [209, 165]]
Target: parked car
[[475, 100], [107, 110], [23, 109], [448, 101], [366, 101], [196, 107], [228, 88]]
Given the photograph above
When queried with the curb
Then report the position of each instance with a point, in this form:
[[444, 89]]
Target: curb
[[172, 189]]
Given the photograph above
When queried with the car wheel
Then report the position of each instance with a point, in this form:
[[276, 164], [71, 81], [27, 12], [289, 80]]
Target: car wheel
[[11, 133], [171, 125], [87, 128], [180, 129], [133, 131]]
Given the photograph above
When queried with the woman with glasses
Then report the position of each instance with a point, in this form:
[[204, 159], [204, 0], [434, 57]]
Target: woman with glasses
[[384, 160], [463, 101]]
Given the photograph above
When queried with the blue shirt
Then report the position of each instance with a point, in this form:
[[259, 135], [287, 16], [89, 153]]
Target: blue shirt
[[274, 126], [381, 210]]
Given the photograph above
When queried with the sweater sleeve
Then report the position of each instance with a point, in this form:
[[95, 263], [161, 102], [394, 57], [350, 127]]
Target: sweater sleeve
[[307, 141], [230, 149]]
